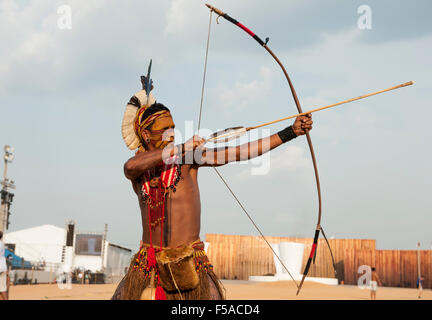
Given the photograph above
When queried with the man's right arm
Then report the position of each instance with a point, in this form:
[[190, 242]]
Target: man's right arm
[[142, 161]]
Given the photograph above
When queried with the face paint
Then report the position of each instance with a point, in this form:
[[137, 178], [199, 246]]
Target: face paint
[[162, 132]]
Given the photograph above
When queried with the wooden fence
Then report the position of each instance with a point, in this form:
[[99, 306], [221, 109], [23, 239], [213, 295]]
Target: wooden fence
[[238, 257], [396, 268]]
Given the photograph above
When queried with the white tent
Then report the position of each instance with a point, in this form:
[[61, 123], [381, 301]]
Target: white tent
[[43, 243], [46, 243]]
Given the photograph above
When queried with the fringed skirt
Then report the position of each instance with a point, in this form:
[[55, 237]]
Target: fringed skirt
[[138, 278]]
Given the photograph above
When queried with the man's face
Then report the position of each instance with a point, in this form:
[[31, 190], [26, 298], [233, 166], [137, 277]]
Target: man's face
[[162, 132]]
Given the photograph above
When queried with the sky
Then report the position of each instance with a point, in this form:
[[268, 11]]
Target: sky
[[64, 85]]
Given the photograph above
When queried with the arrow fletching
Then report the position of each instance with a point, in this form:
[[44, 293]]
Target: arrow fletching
[[226, 135]]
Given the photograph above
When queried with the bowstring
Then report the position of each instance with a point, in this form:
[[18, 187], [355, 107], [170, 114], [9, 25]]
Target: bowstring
[[217, 171], [205, 71]]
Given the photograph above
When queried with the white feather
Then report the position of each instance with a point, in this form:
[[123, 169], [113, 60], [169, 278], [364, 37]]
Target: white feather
[[227, 135], [144, 100], [128, 130]]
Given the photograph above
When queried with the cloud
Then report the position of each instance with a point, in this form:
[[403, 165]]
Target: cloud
[[35, 54], [241, 95], [182, 17], [104, 44], [289, 159], [292, 158]]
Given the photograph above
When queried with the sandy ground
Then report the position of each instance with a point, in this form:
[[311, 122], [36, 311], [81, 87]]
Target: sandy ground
[[235, 290]]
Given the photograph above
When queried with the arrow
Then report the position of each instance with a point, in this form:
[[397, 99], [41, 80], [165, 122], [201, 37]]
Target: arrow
[[236, 132]]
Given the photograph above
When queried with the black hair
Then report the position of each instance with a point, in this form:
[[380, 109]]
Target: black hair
[[1, 235], [155, 107]]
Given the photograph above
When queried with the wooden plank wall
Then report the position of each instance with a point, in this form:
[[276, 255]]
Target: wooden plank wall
[[396, 268], [238, 257]]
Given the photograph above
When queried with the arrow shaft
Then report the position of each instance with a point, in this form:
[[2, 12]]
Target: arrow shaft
[[228, 134], [223, 135], [332, 105]]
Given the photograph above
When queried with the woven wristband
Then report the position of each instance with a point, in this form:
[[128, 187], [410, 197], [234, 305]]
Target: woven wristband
[[287, 134]]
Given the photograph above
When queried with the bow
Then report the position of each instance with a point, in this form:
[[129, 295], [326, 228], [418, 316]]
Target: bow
[[318, 228]]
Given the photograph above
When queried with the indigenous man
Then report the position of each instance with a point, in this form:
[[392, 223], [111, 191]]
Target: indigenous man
[[171, 262], [374, 283]]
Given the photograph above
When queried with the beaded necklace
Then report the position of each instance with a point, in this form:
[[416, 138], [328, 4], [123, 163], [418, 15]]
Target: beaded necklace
[[156, 184]]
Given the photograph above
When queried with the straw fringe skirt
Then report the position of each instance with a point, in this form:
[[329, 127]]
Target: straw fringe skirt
[[136, 280]]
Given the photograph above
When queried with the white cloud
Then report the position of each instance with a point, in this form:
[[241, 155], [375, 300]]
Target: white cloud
[[182, 16], [243, 94], [290, 159], [37, 48], [293, 158]]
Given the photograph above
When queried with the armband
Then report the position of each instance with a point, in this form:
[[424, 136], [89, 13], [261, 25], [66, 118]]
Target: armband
[[287, 134]]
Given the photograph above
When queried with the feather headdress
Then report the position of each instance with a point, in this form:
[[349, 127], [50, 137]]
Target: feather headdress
[[141, 99]]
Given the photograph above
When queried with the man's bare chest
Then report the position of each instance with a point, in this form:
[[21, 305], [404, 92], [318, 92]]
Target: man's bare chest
[[184, 188]]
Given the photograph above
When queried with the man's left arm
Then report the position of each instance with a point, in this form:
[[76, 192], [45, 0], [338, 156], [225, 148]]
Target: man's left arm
[[221, 156]]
